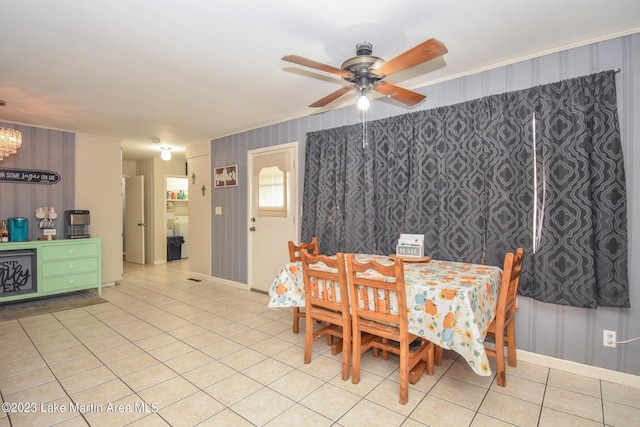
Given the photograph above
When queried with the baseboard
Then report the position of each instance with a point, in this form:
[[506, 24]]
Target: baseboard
[[220, 280], [579, 368]]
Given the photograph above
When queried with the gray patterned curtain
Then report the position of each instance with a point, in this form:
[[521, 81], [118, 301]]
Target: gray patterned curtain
[[468, 177]]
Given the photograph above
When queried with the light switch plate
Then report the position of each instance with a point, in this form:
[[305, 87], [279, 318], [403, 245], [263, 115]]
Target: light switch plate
[[218, 210]]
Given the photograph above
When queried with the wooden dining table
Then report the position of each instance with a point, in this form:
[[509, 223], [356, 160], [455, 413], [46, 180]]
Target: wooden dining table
[[450, 303]]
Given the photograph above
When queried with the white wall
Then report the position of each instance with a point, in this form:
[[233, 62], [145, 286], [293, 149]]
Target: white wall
[[199, 161], [98, 169]]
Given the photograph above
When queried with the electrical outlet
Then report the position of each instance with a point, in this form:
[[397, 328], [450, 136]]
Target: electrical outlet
[[609, 338]]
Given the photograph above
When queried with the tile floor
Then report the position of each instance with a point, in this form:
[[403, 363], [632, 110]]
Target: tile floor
[[169, 351]]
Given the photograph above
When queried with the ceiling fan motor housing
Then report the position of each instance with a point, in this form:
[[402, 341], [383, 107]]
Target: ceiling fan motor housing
[[361, 67]]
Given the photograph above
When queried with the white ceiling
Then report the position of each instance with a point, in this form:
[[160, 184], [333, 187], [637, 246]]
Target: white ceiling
[[190, 71]]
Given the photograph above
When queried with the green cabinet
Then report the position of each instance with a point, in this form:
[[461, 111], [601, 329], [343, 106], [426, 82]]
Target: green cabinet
[[50, 267]]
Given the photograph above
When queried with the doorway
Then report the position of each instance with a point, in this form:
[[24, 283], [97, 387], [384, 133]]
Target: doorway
[[273, 211], [134, 224], [177, 217]]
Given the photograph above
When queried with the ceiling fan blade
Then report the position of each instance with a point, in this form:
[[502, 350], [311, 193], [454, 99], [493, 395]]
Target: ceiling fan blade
[[405, 96], [424, 52], [332, 97], [317, 65]]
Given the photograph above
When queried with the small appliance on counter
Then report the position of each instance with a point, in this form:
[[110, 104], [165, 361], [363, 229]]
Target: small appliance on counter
[[18, 229], [76, 224]]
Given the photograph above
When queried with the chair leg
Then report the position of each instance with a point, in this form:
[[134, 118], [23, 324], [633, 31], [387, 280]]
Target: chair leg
[[296, 320], [308, 339], [511, 344], [431, 357], [502, 376], [355, 363], [404, 373], [346, 351], [438, 355]]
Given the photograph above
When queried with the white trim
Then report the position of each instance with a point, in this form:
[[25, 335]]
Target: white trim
[[579, 368]]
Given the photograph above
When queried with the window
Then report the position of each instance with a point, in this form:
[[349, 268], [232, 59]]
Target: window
[[272, 192]]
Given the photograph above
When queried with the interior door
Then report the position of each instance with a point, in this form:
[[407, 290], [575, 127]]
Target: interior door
[[269, 235], [134, 219]]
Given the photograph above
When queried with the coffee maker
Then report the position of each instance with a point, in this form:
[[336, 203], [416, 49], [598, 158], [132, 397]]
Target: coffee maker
[[77, 224]]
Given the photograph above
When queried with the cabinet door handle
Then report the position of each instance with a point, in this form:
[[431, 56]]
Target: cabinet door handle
[[71, 251], [71, 266], [71, 281]]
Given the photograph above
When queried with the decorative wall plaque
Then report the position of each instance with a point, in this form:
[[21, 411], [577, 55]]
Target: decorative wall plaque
[[28, 176], [225, 176]]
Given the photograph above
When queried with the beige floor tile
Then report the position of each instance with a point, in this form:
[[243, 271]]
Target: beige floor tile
[[156, 341], [209, 374], [25, 380], [574, 403], [191, 410], [529, 371], [170, 351], [226, 418], [371, 414], [113, 354], [482, 420], [387, 394], [43, 393], [149, 377], [168, 392], [459, 392], [243, 359], [267, 371], [118, 413], [296, 385], [97, 345], [292, 356], [187, 331], [330, 401], [616, 414], [521, 388], [16, 354], [48, 414], [102, 394], [621, 394], [202, 339], [66, 354], [27, 364], [270, 346], [510, 409], [323, 367], [262, 406], [188, 361], [461, 370], [436, 412], [574, 382], [298, 415], [88, 379], [140, 333], [153, 420], [132, 364], [75, 366], [233, 389], [77, 421], [552, 418]]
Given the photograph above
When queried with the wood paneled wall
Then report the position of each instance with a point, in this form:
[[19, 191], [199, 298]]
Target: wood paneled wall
[[568, 333]]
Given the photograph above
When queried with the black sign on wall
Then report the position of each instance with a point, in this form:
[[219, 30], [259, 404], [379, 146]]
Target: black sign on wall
[[28, 176]]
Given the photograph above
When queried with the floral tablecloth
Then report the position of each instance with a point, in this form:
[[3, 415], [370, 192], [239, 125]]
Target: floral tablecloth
[[450, 303]]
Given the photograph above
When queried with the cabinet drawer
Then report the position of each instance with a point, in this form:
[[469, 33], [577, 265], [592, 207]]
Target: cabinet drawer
[[70, 281], [69, 250], [69, 266]]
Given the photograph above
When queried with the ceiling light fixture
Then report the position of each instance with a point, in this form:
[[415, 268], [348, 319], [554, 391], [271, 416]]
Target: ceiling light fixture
[[166, 153], [10, 142], [363, 102]]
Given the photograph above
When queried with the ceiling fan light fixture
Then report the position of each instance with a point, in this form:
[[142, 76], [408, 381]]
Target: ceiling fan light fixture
[[166, 153], [363, 102]]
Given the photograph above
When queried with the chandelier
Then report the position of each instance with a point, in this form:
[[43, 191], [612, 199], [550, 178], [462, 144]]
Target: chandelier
[[10, 141]]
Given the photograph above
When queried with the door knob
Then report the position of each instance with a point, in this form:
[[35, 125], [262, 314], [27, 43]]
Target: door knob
[[253, 219], [141, 224], [252, 229]]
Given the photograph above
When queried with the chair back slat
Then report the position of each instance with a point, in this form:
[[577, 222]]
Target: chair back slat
[[509, 286], [327, 289], [295, 251]]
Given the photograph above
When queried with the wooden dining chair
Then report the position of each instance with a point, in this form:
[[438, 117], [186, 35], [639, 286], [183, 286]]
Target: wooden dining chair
[[374, 289], [503, 327], [326, 297], [295, 255]]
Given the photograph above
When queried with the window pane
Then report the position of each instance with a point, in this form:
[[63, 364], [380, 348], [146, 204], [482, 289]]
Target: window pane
[[272, 192]]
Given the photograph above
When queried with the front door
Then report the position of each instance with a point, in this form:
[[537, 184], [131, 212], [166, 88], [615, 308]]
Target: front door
[[273, 211], [134, 219]]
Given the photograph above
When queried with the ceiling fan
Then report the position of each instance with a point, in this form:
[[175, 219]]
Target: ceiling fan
[[366, 72]]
